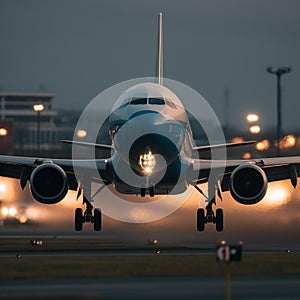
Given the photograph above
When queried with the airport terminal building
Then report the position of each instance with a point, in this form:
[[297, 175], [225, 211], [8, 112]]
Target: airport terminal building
[[20, 124]]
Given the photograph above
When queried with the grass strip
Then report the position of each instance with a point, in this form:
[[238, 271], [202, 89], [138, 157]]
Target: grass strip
[[145, 266]]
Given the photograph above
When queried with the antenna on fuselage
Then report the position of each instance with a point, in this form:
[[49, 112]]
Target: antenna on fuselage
[[160, 57]]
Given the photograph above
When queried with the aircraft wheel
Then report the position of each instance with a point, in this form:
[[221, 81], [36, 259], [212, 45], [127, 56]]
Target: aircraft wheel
[[200, 219], [78, 219], [143, 192], [97, 219], [219, 220]]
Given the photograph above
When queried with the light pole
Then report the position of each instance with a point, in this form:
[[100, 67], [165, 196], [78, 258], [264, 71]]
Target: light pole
[[278, 72], [38, 108]]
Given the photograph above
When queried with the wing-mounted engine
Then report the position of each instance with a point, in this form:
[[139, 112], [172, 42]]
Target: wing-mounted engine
[[48, 183], [248, 184]]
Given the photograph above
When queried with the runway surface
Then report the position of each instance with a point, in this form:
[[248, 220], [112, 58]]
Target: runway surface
[[148, 252], [211, 287], [284, 288]]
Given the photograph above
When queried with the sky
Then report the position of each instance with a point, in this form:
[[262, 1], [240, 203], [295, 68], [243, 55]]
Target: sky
[[78, 48]]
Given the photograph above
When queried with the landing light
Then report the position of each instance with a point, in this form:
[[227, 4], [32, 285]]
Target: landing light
[[11, 212], [147, 162], [4, 211]]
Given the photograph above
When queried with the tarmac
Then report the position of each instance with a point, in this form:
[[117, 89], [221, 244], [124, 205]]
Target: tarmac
[[285, 288]]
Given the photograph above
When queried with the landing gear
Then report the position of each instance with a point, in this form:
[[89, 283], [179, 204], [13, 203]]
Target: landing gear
[[203, 219], [97, 219], [219, 219], [151, 191], [88, 216], [210, 217], [78, 219]]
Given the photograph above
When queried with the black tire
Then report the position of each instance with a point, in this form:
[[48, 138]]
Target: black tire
[[143, 192], [219, 219], [78, 219], [200, 219], [97, 219], [151, 191]]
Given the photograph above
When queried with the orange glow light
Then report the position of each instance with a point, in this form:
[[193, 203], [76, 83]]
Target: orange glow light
[[3, 131], [251, 118], [81, 133], [255, 129], [38, 107], [2, 187], [288, 141], [262, 145], [247, 155], [237, 139], [278, 194]]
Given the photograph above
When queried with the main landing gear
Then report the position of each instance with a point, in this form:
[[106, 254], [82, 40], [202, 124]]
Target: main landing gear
[[88, 216], [210, 217]]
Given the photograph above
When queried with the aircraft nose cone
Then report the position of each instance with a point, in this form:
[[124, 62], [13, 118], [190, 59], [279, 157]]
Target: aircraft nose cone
[[147, 118], [149, 131]]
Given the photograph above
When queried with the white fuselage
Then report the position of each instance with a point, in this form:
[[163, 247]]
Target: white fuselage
[[151, 136]]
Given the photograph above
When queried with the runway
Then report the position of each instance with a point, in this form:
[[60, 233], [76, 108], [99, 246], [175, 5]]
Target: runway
[[124, 273], [132, 252], [157, 288]]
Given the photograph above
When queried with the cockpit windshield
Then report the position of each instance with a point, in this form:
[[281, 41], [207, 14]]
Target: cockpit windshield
[[156, 101], [151, 101], [138, 101]]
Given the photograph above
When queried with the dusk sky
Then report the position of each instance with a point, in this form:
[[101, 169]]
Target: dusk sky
[[79, 48]]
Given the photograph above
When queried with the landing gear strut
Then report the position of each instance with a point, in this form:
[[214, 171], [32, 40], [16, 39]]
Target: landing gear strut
[[88, 216], [210, 217]]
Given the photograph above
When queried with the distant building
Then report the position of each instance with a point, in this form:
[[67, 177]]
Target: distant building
[[19, 121]]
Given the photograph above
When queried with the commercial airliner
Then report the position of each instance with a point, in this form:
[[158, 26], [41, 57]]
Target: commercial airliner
[[151, 153]]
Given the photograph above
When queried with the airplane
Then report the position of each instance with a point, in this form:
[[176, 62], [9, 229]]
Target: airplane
[[160, 160]]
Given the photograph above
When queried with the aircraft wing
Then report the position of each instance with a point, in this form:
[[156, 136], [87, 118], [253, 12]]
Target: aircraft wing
[[15, 166], [276, 169], [227, 145], [86, 144]]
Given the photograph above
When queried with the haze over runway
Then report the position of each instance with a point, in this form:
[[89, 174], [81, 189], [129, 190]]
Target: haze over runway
[[272, 223]]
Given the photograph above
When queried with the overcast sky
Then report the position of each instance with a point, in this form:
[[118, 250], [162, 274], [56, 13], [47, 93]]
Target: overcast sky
[[78, 48]]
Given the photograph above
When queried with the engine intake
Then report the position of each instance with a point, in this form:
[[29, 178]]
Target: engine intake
[[48, 183], [248, 184]]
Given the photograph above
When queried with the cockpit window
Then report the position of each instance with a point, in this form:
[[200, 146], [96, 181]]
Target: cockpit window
[[138, 101], [156, 101]]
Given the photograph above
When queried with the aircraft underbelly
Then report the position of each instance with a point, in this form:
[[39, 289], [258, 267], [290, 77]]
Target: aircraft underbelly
[[172, 182]]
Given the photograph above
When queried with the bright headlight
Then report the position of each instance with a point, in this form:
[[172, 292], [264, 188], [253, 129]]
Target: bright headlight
[[147, 162]]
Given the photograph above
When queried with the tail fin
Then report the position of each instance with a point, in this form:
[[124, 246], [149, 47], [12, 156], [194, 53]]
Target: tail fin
[[160, 57]]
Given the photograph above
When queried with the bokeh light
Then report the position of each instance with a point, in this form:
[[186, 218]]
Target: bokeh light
[[252, 118], [288, 141], [81, 133], [255, 129], [263, 145]]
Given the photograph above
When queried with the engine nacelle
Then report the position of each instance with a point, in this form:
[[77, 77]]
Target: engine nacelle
[[48, 183], [248, 184]]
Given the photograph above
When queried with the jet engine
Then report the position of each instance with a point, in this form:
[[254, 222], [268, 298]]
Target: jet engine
[[48, 183], [248, 184]]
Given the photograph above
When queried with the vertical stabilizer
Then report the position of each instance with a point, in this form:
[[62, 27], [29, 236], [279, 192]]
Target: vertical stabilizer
[[160, 59]]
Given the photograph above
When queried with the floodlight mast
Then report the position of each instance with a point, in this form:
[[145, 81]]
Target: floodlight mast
[[278, 72]]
